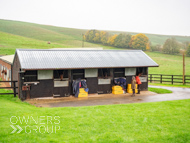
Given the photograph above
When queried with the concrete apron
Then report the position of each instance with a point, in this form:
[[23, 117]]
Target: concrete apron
[[107, 99]]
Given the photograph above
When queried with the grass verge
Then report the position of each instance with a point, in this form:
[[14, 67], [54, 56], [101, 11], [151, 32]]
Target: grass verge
[[169, 85], [167, 121], [159, 90]]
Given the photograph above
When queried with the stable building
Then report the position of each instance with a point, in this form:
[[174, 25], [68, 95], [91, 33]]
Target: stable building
[[45, 73], [5, 69]]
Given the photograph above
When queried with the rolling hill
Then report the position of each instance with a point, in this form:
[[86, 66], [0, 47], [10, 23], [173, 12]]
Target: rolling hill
[[15, 34], [67, 36]]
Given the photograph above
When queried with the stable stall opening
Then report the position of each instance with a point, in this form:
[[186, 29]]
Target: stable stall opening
[[143, 70], [79, 73], [104, 73], [104, 80], [61, 83], [60, 74], [30, 76], [119, 72], [143, 77]]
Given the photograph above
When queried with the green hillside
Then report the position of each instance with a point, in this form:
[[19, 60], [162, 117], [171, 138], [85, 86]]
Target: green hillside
[[67, 36], [10, 42], [14, 34], [169, 64]]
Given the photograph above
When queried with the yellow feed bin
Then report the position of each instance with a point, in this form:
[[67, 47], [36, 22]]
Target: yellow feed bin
[[82, 93], [129, 90], [117, 90]]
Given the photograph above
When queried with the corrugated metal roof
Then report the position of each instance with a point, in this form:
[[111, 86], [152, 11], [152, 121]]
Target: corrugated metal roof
[[8, 59], [61, 59]]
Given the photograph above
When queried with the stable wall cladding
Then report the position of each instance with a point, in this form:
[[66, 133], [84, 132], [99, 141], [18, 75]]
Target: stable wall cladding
[[5, 77], [47, 86]]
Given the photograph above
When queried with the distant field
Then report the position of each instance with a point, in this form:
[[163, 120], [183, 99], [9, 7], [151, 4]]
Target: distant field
[[9, 43], [168, 64]]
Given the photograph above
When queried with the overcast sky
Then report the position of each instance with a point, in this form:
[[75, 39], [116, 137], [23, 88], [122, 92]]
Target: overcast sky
[[168, 17]]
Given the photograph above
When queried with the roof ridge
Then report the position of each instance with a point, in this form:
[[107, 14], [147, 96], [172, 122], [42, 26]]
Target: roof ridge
[[75, 50]]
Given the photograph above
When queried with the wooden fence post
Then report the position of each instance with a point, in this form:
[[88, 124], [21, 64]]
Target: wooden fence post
[[172, 79], [14, 88], [150, 78], [161, 78], [184, 79]]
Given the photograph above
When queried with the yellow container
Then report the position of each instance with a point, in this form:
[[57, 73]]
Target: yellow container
[[117, 87], [117, 91], [129, 86], [83, 94], [131, 91], [81, 90]]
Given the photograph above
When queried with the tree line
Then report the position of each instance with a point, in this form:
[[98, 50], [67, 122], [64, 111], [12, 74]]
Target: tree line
[[139, 41], [127, 41], [172, 46]]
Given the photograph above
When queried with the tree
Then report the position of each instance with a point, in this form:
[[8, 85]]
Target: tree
[[111, 40], [104, 37], [122, 41], [171, 46], [157, 47], [131, 41], [188, 51], [185, 44], [148, 46], [97, 38], [92, 36], [140, 41]]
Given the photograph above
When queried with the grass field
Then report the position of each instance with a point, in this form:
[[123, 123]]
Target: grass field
[[9, 43], [170, 85], [159, 90], [145, 122], [168, 64]]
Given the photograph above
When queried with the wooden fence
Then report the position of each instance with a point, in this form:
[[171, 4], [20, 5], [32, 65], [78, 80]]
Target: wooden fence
[[13, 87], [162, 78]]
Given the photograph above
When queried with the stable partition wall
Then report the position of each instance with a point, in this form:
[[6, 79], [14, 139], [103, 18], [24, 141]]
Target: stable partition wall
[[61, 83], [105, 80]]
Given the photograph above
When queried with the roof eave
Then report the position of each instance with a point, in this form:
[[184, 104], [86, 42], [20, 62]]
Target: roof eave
[[86, 68]]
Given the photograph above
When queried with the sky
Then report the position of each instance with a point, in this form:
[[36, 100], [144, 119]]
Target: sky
[[166, 17]]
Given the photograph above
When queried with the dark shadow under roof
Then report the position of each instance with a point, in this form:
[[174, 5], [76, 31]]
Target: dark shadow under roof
[[70, 59]]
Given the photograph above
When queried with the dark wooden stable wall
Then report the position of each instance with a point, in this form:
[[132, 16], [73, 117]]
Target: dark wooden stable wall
[[45, 88]]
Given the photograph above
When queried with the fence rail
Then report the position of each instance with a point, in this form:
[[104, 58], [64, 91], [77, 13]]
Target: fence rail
[[13, 87], [162, 78]]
